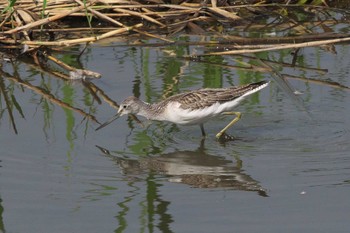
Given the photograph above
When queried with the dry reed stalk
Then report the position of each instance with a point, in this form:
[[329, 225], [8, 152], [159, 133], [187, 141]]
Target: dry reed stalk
[[100, 15], [151, 13], [191, 4], [73, 29], [224, 13], [170, 6], [133, 13], [58, 74], [45, 21], [5, 19], [171, 12], [10, 46], [153, 36], [38, 8], [114, 15], [19, 23], [109, 19], [199, 18], [82, 40]]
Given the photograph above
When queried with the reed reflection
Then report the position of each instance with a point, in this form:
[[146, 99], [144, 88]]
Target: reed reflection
[[2, 225]]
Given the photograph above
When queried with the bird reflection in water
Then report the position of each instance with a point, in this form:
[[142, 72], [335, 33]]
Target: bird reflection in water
[[195, 168]]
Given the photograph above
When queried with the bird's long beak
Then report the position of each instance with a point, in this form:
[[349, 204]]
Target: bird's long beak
[[115, 117]]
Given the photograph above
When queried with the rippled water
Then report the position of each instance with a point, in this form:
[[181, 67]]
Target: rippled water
[[289, 167]]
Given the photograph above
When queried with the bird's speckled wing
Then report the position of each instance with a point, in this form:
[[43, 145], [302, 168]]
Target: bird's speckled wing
[[206, 97]]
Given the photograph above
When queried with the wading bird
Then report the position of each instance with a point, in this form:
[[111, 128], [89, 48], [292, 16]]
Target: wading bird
[[193, 107]]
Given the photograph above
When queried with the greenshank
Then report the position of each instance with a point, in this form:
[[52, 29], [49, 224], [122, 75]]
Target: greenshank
[[193, 107]]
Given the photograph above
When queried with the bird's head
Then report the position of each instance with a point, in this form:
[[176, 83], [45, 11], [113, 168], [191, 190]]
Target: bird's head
[[130, 105]]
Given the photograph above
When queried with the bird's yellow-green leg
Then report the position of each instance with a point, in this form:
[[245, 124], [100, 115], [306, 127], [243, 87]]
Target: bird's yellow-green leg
[[238, 116]]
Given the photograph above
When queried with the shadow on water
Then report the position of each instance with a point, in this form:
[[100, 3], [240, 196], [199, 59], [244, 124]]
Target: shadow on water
[[195, 168]]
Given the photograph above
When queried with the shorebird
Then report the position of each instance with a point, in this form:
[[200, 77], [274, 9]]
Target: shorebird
[[193, 107]]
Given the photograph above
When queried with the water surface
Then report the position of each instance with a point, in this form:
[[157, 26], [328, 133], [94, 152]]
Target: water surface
[[287, 170]]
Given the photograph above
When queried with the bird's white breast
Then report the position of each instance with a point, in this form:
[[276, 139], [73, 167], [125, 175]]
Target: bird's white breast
[[174, 113]]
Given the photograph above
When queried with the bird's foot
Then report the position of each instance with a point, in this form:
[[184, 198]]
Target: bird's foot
[[222, 136]]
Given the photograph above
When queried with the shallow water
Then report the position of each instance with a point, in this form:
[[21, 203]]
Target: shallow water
[[287, 170]]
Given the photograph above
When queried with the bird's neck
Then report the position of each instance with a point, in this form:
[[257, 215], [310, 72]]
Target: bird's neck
[[150, 111], [145, 110]]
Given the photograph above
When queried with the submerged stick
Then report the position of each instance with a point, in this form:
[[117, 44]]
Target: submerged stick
[[44, 93], [74, 72], [153, 36], [318, 82], [285, 46]]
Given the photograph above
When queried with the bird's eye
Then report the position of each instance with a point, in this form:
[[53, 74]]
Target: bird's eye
[[124, 106]]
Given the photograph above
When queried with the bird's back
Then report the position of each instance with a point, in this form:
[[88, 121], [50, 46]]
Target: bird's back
[[199, 106], [203, 98]]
